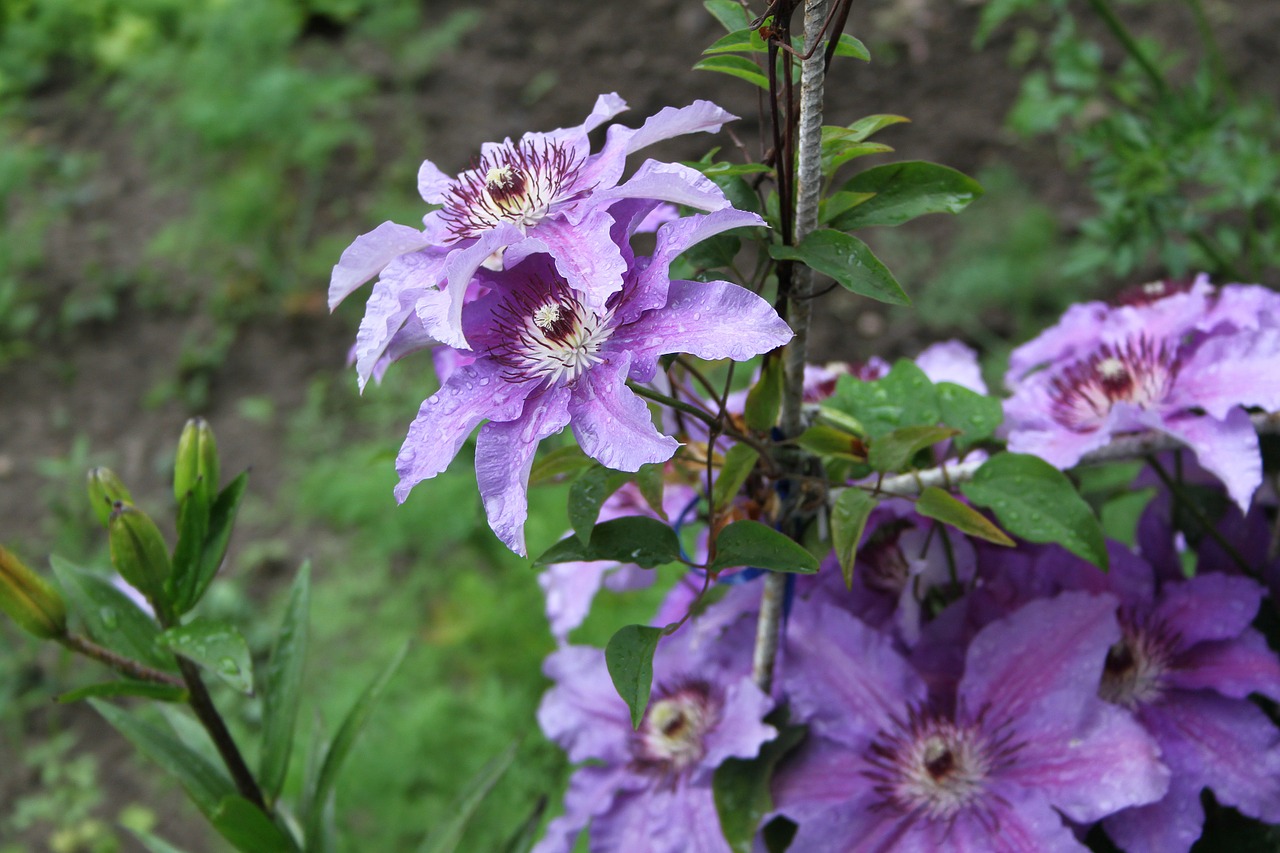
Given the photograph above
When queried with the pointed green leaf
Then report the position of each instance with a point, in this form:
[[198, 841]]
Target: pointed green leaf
[[222, 518], [742, 788], [850, 46], [217, 646], [637, 539], [142, 689], [826, 440], [838, 203], [248, 829], [731, 15], [204, 782], [975, 415], [282, 686], [587, 494], [739, 462], [939, 504], [629, 657], [193, 529], [555, 464], [848, 260], [342, 744], [750, 543], [1036, 501], [734, 66], [649, 482], [110, 616], [904, 397], [745, 40], [870, 125], [894, 450], [849, 517], [764, 400], [905, 191], [445, 837]]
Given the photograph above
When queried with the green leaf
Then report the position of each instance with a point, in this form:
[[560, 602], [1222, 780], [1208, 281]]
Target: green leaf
[[217, 646], [828, 441], [739, 462], [153, 843], [850, 46], [338, 751], [741, 788], [734, 66], [629, 657], [939, 504], [649, 482], [894, 450], [557, 463], [445, 837], [282, 686], [248, 829], [1036, 501], [204, 782], [587, 494], [637, 539], [222, 518], [838, 203], [745, 40], [193, 529], [872, 124], [975, 415], [764, 400], [903, 397], [143, 689], [848, 260], [110, 616], [849, 517], [750, 543], [731, 15], [905, 191]]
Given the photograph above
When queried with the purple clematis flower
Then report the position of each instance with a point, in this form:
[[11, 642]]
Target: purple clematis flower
[[650, 789], [546, 360], [545, 192], [1021, 746]]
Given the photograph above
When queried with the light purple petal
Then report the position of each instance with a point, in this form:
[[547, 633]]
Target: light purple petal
[[582, 711], [445, 419], [460, 269], [1234, 668], [1227, 448], [368, 254], [612, 424], [1208, 607], [1227, 371], [411, 338], [591, 792], [1170, 825], [569, 589], [584, 254], [952, 361], [670, 122], [391, 304], [741, 729], [1072, 337], [672, 182], [432, 183], [661, 820], [504, 457]]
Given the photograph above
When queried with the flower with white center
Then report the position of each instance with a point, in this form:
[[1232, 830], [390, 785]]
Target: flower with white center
[[545, 192], [545, 359]]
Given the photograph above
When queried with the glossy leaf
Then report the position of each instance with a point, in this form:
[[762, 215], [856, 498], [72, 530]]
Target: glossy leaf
[[764, 400], [559, 462], [975, 415], [629, 658], [745, 40], [282, 686], [903, 397], [894, 450], [742, 788], [849, 261], [942, 506], [111, 617], [141, 689], [731, 15], [849, 516], [750, 543], [739, 462], [248, 829], [649, 481], [826, 440], [193, 530], [217, 646], [222, 518], [447, 835], [637, 539], [853, 47], [587, 494], [905, 191], [1036, 501], [734, 66]]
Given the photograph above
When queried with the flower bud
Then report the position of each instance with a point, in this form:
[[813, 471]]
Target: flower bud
[[139, 553], [196, 464], [31, 601], [105, 491]]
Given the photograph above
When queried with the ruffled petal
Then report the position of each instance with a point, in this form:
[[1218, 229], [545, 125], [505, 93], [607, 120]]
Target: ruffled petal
[[1228, 371], [612, 424], [952, 361], [670, 182], [582, 712], [591, 793], [391, 304], [367, 256], [569, 589], [1234, 668], [460, 270], [433, 184], [1227, 448], [584, 254]]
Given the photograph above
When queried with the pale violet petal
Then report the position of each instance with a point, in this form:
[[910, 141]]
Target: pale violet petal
[[433, 184], [612, 424], [367, 256]]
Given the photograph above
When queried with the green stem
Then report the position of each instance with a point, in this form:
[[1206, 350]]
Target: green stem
[[121, 664], [1130, 45], [679, 405]]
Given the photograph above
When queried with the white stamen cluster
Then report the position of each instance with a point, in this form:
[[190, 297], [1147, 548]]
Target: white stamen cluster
[[516, 183], [1139, 373], [672, 737], [556, 339], [1136, 665]]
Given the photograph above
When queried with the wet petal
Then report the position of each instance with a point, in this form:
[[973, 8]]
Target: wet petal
[[368, 254], [1234, 668], [1227, 448], [582, 712], [612, 424], [584, 254], [1228, 371]]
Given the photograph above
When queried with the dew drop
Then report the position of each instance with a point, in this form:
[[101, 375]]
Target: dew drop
[[227, 666], [109, 618]]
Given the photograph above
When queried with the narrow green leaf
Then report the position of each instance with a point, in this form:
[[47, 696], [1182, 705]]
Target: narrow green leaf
[[153, 843], [342, 744], [445, 837], [750, 543], [111, 617], [222, 518], [975, 415], [629, 657], [587, 494], [649, 482], [734, 66], [893, 451], [745, 40], [204, 782], [739, 462], [904, 397], [869, 125], [248, 829], [741, 788], [849, 517], [850, 46], [1036, 501], [282, 686], [764, 400], [905, 191], [826, 440], [637, 539], [555, 464], [143, 689], [217, 646], [848, 260], [193, 529], [941, 505], [732, 16]]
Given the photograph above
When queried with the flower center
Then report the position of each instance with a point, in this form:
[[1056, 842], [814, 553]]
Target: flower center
[[553, 338], [516, 183], [1134, 671], [931, 767], [671, 739], [1140, 373]]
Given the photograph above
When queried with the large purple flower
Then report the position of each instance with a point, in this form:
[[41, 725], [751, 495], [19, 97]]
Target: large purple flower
[[545, 192], [545, 360], [650, 789], [1022, 743]]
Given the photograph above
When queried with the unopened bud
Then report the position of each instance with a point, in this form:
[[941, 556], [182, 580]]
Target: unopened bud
[[138, 552], [105, 491], [196, 464], [29, 600]]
